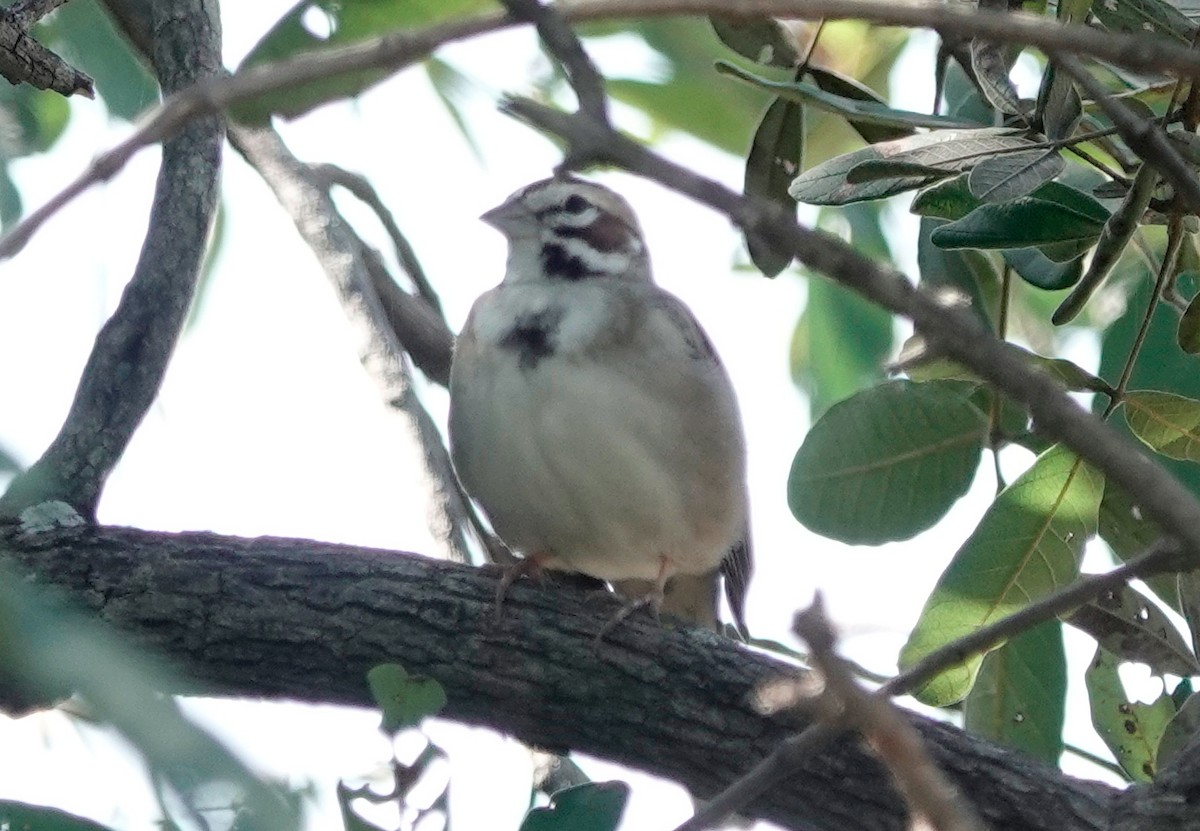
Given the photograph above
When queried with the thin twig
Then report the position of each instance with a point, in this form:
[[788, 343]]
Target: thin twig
[[925, 788], [562, 42]]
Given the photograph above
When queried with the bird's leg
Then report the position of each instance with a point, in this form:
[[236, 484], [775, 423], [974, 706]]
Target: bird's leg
[[530, 566], [652, 599]]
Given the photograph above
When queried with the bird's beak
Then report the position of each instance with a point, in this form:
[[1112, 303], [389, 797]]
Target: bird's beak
[[508, 217]]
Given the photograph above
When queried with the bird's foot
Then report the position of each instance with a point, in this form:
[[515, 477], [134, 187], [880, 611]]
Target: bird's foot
[[531, 566]]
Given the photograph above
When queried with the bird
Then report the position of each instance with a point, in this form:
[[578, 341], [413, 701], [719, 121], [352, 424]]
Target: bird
[[592, 419]]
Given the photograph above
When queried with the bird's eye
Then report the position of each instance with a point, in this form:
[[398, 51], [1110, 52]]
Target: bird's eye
[[575, 204]]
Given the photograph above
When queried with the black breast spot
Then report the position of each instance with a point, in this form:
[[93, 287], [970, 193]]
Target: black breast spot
[[559, 264], [533, 337]]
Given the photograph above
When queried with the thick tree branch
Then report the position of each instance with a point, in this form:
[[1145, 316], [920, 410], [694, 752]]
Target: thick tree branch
[[401, 49], [23, 59], [129, 359], [271, 618]]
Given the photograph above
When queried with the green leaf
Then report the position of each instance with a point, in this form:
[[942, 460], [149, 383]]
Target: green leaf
[[347, 21], [1023, 222], [966, 274], [1132, 730], [953, 199], [1187, 586], [1006, 177], [1178, 732], [84, 34], [1165, 422], [1132, 628], [1026, 546], [991, 67], [1128, 534], [888, 462], [1154, 17], [1059, 105], [34, 120], [844, 86], [773, 160], [9, 463], [1189, 327], [921, 368], [857, 109], [1019, 697], [20, 816], [877, 169], [764, 40], [841, 340], [596, 806], [1035, 268], [826, 184], [406, 700]]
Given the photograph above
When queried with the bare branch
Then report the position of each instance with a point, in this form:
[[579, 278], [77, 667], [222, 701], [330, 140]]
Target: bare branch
[[130, 357], [927, 791], [562, 42], [23, 59]]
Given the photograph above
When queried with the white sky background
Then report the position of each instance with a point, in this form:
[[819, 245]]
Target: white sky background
[[266, 423]]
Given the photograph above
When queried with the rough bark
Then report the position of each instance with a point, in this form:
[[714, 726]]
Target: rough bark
[[295, 619]]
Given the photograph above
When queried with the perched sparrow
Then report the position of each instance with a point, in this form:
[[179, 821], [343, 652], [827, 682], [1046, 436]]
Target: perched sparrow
[[590, 416]]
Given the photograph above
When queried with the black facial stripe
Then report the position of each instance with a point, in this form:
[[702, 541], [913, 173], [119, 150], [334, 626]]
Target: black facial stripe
[[533, 337], [561, 265], [597, 235]]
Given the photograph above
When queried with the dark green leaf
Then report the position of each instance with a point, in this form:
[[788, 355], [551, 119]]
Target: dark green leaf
[[1132, 730], [1026, 546], [1010, 175], [763, 41], [878, 169], [1187, 585], [1018, 224], [1128, 533], [1059, 105], [826, 183], [596, 806], [1145, 16], [1134, 629], [1018, 699], [34, 120], [964, 274], [9, 463], [771, 165], [1035, 268], [847, 87], [1179, 731], [953, 199], [1189, 327], [406, 700], [1167, 423], [991, 66], [887, 463], [20, 816], [10, 199]]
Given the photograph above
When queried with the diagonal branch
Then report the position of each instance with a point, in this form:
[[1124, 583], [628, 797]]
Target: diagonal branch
[[129, 359], [24, 59]]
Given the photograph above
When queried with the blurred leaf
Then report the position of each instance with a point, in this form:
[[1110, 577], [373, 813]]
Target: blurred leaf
[[84, 34], [1005, 177], [596, 806], [451, 87], [10, 200], [9, 463], [991, 68], [1132, 628], [888, 462], [764, 41], [860, 109], [848, 88], [212, 254], [841, 340], [19, 816], [826, 183], [1020, 223], [1145, 16], [1189, 327], [1131, 730], [774, 158], [1165, 422], [1026, 546], [690, 99], [406, 700], [33, 120], [1179, 731], [1019, 697], [1059, 105], [966, 273], [345, 22], [1187, 586], [1072, 376]]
